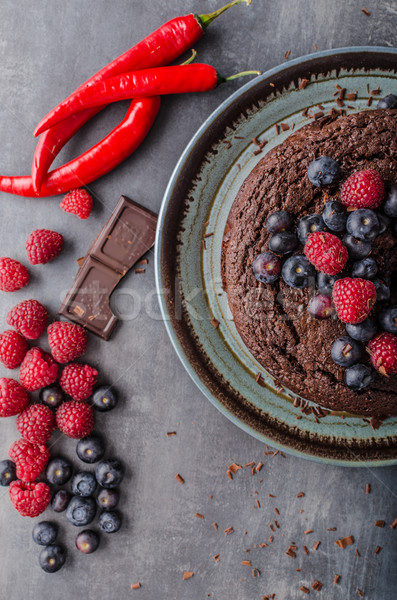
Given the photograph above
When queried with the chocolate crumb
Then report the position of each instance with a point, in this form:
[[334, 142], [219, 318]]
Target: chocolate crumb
[[179, 478], [271, 496], [394, 524], [271, 526], [346, 541], [234, 467], [143, 261], [318, 115], [357, 553], [187, 574], [306, 550], [351, 97], [316, 545], [135, 586], [286, 55], [305, 112], [229, 474], [317, 585], [378, 549], [366, 12], [258, 504], [171, 433], [360, 593], [258, 151], [284, 126], [303, 83], [308, 531], [217, 557], [300, 495], [139, 270], [369, 101], [277, 524], [277, 128], [276, 511], [271, 84], [246, 563], [207, 235], [215, 526], [368, 488], [331, 529], [215, 323], [290, 552], [336, 579], [229, 530], [199, 515], [304, 589], [259, 467], [259, 380], [250, 464], [256, 573], [379, 523]]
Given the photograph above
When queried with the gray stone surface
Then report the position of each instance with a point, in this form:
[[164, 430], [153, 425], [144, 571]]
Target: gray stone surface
[[46, 50]]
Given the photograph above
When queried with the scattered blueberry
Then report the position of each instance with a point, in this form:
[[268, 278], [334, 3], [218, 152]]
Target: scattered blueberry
[[283, 243], [345, 351], [388, 319], [320, 306], [323, 171], [52, 396], [60, 500], [357, 249], [108, 499], [278, 221], [105, 398], [384, 222], [90, 449], [365, 269], [87, 541], [7, 472], [298, 272], [267, 267], [335, 215], [362, 332], [389, 101], [81, 511], [382, 290], [52, 558], [390, 206], [307, 225], [44, 533], [109, 521], [363, 224], [59, 470], [109, 473], [325, 282], [359, 376], [83, 484]]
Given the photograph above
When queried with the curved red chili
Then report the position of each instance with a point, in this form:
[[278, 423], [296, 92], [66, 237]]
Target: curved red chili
[[97, 161], [161, 47]]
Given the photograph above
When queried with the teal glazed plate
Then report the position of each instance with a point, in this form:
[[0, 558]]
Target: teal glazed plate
[[197, 201]]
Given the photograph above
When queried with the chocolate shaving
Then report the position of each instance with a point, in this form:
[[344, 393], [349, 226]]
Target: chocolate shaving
[[215, 323], [317, 585], [379, 523], [259, 380], [246, 563], [199, 515], [366, 12], [171, 433], [357, 552], [316, 545], [135, 586], [139, 270], [346, 541], [256, 573], [217, 557], [394, 524], [360, 593], [234, 467], [368, 488], [318, 115], [336, 579], [215, 526], [228, 530], [179, 478], [378, 549], [351, 97], [187, 574], [250, 464], [259, 467], [306, 550], [286, 55], [277, 128], [331, 529], [284, 126], [308, 531], [303, 83], [304, 589]]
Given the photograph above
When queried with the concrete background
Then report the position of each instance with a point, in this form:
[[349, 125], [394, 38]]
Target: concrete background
[[46, 50]]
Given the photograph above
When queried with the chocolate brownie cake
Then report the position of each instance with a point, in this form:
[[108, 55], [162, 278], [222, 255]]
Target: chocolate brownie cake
[[272, 318]]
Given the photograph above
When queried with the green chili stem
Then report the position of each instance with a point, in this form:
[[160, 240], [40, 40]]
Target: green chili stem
[[206, 20]]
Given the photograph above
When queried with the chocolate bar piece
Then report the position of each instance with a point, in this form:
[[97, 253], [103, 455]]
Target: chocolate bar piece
[[126, 237]]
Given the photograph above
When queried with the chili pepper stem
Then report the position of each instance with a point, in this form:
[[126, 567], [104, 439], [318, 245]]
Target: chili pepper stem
[[191, 58], [206, 20], [236, 76]]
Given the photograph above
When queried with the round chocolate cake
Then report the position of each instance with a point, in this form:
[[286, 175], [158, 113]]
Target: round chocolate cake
[[272, 319]]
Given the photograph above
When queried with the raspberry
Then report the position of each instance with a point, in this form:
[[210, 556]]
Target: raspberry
[[29, 318], [363, 189], [78, 380], [353, 299], [43, 245], [75, 419], [38, 369], [13, 397], [13, 348], [36, 423], [383, 351], [30, 459], [77, 202], [13, 275], [326, 252], [67, 341], [30, 499]]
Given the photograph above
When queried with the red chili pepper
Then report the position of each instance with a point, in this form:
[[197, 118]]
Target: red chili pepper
[[161, 47], [97, 161]]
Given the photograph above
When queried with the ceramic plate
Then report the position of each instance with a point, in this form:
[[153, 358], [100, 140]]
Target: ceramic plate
[[202, 189]]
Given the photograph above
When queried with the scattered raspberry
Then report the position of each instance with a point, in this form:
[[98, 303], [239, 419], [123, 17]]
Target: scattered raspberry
[[383, 351], [326, 252], [29, 318], [67, 341], [38, 369], [363, 189], [75, 419], [353, 299], [78, 202], [78, 380], [30, 459], [13, 397], [30, 499], [13, 275], [13, 348], [36, 423], [43, 245]]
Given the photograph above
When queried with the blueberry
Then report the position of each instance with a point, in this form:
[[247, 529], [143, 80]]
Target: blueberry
[[59, 470], [90, 449], [279, 221], [109, 521], [44, 533], [363, 224], [384, 222], [52, 396], [345, 351], [382, 290], [388, 319], [60, 500], [283, 243], [307, 225], [389, 101], [390, 206], [362, 332], [298, 272], [105, 398], [323, 171], [357, 249], [83, 484], [335, 215], [359, 376], [320, 306], [81, 511], [267, 267], [52, 558], [109, 473], [325, 282], [87, 541], [108, 498], [365, 269], [7, 472]]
